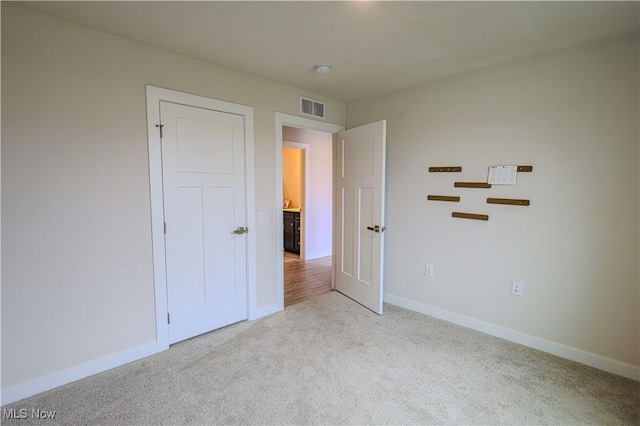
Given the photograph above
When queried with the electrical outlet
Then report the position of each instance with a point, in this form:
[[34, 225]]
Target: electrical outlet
[[516, 288], [428, 270]]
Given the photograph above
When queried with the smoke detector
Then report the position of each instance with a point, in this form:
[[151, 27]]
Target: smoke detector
[[322, 68]]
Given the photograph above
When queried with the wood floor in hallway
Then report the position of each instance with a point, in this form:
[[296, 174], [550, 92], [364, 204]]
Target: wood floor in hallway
[[305, 279]]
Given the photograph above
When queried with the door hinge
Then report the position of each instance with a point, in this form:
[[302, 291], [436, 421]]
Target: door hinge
[[160, 126], [165, 227], [168, 318]]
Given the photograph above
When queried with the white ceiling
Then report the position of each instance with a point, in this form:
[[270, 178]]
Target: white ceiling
[[374, 47]]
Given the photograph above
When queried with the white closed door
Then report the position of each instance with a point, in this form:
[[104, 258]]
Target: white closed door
[[205, 218], [360, 184]]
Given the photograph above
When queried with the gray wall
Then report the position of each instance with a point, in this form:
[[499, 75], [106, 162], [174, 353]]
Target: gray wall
[[77, 283], [573, 115]]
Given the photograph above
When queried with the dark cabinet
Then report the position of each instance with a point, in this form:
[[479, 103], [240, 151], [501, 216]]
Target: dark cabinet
[[291, 231]]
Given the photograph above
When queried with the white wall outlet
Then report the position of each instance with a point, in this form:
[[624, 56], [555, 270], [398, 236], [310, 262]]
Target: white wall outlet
[[516, 288], [428, 270]]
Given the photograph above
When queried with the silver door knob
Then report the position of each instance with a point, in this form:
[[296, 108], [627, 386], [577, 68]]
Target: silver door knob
[[241, 230], [376, 228]]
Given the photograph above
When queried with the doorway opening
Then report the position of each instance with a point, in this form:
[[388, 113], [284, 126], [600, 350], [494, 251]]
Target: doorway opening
[[295, 159], [307, 183], [304, 261]]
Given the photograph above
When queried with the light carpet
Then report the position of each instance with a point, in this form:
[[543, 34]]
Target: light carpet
[[331, 361]]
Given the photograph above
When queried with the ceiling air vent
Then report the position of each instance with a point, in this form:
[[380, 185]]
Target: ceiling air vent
[[311, 107]]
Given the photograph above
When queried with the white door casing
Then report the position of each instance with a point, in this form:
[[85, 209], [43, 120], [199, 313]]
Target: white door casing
[[360, 185], [204, 207], [155, 96]]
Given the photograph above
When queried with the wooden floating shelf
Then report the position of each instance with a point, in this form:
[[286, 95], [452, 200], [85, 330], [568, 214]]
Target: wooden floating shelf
[[443, 198], [509, 201], [445, 169], [525, 168], [472, 185], [470, 216]]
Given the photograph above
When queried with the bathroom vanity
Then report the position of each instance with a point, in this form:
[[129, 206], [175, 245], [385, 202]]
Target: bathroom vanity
[[291, 230]]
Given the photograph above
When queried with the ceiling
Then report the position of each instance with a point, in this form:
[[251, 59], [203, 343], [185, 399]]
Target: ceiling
[[374, 47]]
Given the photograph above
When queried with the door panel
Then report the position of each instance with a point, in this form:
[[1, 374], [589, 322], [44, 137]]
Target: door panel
[[191, 251], [367, 239], [360, 184], [212, 153], [204, 202], [357, 157], [347, 242], [223, 245]]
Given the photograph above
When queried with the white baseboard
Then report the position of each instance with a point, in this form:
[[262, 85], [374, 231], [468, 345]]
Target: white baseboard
[[592, 360], [317, 254], [45, 383]]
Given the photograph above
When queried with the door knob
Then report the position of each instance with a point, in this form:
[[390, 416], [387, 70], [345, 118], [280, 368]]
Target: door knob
[[241, 230], [376, 228]]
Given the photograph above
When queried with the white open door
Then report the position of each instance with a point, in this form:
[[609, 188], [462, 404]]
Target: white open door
[[359, 241]]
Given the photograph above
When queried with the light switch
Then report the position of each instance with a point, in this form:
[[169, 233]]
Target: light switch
[[263, 217]]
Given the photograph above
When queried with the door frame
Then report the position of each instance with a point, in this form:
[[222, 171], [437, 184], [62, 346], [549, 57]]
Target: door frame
[[306, 123], [154, 95]]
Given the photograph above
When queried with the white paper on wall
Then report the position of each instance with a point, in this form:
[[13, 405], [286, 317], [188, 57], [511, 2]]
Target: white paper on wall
[[502, 175]]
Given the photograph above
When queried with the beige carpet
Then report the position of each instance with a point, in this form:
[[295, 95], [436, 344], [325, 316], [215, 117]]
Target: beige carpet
[[330, 361]]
